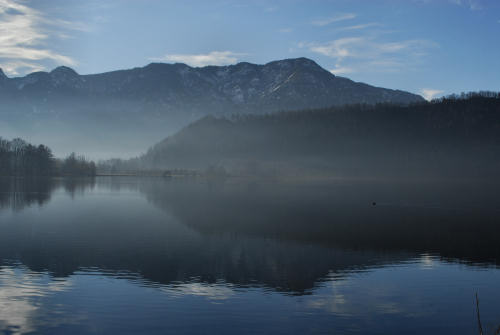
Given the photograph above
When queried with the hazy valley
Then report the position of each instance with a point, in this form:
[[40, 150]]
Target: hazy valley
[[122, 113]]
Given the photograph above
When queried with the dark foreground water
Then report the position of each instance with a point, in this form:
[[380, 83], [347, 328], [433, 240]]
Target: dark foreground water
[[155, 256]]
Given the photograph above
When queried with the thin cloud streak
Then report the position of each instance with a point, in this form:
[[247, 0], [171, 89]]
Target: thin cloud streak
[[471, 4], [365, 53], [339, 48], [338, 18], [360, 26]]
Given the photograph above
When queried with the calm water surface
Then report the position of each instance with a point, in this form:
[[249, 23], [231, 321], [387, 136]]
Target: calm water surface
[[154, 256]]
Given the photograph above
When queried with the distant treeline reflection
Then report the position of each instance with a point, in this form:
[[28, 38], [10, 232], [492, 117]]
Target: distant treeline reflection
[[18, 193], [19, 158]]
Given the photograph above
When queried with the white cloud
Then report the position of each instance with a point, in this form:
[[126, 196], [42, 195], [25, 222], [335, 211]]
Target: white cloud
[[14, 67], [339, 48], [285, 30], [429, 93], [475, 5], [23, 39], [341, 70], [360, 26], [64, 24], [368, 53], [199, 60], [471, 4], [338, 18]]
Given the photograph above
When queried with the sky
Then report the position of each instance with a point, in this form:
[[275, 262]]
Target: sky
[[429, 47]]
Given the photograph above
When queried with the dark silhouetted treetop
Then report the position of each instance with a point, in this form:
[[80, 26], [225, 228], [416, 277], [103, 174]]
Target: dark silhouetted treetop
[[19, 158]]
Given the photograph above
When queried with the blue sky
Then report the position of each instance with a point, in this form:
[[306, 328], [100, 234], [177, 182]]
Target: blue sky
[[430, 47]]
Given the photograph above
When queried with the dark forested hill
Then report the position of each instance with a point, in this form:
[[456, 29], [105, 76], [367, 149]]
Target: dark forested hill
[[125, 110], [452, 137]]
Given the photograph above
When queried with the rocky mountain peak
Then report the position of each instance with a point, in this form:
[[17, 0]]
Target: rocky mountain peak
[[295, 62], [63, 71], [64, 75]]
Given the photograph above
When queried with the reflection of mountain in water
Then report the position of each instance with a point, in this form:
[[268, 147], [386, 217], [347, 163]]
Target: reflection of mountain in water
[[457, 221], [286, 237]]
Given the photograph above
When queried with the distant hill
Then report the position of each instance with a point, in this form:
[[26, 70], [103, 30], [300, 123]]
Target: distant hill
[[450, 138], [123, 111]]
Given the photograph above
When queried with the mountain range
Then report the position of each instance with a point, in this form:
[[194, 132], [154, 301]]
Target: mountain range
[[123, 112]]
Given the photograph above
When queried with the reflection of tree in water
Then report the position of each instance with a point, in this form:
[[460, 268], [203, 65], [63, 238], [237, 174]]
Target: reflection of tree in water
[[20, 193], [285, 237], [78, 185]]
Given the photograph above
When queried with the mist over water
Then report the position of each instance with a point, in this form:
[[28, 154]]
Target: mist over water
[[150, 255]]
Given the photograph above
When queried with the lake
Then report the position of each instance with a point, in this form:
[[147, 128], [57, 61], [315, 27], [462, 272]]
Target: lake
[[127, 255]]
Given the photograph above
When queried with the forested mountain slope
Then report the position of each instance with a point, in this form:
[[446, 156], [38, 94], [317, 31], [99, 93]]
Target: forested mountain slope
[[450, 137]]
